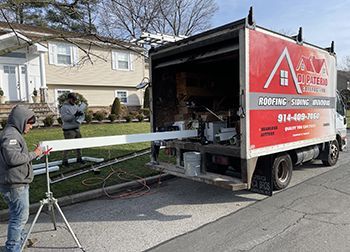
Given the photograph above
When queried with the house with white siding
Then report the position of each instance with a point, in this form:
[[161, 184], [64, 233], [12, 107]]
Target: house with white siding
[[54, 62]]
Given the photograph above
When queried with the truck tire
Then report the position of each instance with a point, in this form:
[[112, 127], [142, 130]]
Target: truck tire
[[282, 170], [333, 153]]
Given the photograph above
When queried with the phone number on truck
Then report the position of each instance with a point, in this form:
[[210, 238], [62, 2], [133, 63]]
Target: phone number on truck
[[297, 117]]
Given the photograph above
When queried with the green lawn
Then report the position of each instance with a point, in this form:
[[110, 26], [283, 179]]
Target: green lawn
[[74, 185], [348, 118]]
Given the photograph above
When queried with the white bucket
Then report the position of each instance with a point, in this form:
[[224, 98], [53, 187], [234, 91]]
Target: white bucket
[[192, 163], [180, 124]]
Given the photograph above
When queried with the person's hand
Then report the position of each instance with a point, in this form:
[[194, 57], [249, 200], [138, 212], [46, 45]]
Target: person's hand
[[78, 113], [38, 150]]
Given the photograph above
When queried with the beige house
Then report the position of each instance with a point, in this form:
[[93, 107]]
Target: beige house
[[54, 62]]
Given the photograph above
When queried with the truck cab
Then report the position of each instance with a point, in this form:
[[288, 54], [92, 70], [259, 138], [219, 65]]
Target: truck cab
[[341, 122]]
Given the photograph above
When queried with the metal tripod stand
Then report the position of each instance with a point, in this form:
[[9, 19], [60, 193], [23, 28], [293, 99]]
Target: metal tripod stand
[[51, 202]]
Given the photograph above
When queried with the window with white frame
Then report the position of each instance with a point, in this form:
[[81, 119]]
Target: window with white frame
[[284, 78], [122, 60], [59, 92], [122, 96], [63, 54]]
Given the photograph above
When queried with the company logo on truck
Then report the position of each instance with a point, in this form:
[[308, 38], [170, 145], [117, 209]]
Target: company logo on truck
[[291, 92], [284, 75], [311, 74]]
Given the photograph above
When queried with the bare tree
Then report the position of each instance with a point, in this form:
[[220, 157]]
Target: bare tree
[[186, 17], [128, 18], [122, 19], [346, 63], [15, 12]]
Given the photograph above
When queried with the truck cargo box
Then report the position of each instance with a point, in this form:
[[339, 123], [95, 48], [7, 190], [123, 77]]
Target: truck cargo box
[[252, 94]]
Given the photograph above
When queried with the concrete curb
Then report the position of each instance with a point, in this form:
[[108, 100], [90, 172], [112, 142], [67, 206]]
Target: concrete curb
[[89, 195]]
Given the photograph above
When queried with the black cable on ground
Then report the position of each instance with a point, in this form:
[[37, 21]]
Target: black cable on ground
[[122, 175]]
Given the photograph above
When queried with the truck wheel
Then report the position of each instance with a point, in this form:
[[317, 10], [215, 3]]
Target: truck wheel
[[333, 153], [282, 169]]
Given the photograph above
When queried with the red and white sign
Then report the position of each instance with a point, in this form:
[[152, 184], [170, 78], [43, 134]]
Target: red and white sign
[[291, 90]]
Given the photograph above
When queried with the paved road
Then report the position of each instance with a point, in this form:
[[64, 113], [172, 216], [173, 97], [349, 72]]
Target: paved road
[[312, 216], [180, 206]]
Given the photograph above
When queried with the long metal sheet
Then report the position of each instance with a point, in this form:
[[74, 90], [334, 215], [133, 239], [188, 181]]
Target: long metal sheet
[[90, 142]]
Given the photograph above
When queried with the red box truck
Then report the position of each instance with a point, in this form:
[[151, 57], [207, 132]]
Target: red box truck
[[261, 101]]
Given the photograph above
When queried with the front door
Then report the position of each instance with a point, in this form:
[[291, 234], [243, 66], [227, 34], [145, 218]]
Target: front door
[[10, 80]]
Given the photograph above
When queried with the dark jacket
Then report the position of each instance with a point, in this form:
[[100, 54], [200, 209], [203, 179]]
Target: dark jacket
[[15, 159], [69, 121]]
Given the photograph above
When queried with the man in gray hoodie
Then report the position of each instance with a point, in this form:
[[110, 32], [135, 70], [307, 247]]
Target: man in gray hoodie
[[70, 125], [16, 173]]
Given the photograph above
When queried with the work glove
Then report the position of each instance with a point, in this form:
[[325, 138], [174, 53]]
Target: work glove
[[78, 113]]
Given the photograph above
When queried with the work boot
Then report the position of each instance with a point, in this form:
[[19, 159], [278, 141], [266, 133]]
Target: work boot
[[81, 161], [97, 171], [30, 243], [65, 163]]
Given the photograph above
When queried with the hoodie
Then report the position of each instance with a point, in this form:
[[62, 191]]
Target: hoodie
[[15, 159], [69, 121]]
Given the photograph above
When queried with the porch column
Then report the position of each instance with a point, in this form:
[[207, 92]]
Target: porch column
[[43, 87]]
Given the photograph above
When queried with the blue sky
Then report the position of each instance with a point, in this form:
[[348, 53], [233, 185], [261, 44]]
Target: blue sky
[[322, 21]]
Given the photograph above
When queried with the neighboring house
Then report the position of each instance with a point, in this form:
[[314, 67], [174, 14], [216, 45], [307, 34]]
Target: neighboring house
[[343, 80], [54, 62]]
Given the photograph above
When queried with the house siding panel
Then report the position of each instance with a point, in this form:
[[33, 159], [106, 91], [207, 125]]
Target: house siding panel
[[100, 73], [99, 96], [97, 81]]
